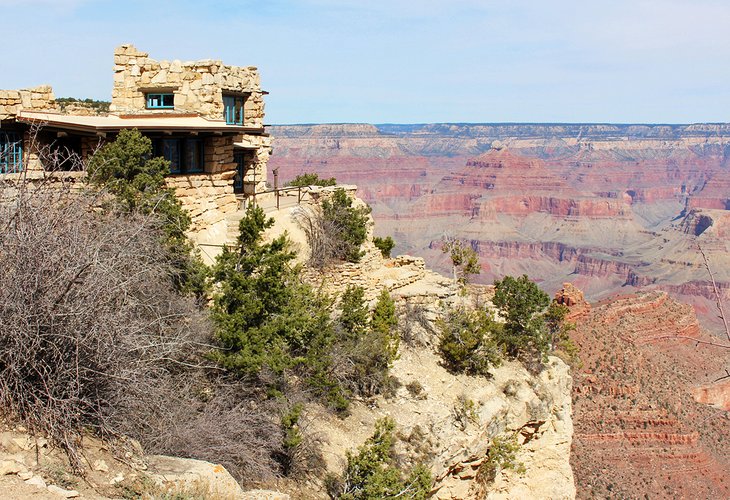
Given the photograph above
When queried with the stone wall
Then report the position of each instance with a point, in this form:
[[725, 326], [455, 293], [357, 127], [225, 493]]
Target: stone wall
[[198, 86], [255, 178], [209, 199], [39, 98]]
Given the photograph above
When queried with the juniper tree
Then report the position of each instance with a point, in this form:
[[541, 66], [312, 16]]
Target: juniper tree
[[522, 303]]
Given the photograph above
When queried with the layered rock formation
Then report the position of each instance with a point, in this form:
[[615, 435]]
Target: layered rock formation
[[609, 207], [642, 428]]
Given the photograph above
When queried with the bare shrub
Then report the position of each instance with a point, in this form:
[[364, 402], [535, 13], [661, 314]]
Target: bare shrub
[[91, 330], [321, 233], [230, 426], [335, 229], [413, 324]]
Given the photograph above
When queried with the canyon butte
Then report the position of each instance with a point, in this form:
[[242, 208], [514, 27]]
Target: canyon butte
[[621, 212]]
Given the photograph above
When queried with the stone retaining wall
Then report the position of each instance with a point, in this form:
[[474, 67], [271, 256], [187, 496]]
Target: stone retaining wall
[[209, 199]]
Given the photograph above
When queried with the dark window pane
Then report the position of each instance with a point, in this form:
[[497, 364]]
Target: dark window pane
[[194, 155], [171, 152]]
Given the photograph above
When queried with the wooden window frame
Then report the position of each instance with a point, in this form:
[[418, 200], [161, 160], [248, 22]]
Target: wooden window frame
[[162, 97]]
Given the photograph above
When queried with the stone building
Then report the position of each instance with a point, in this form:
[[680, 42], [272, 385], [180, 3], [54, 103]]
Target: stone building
[[205, 117]]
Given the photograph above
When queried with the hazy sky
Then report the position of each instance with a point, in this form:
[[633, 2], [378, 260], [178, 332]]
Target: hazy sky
[[403, 61]]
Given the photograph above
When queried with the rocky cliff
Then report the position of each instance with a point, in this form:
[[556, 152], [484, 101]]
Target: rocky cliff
[[447, 421], [643, 427]]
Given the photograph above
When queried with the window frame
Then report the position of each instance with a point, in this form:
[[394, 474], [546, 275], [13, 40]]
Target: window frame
[[234, 109], [162, 97], [178, 150], [11, 152]]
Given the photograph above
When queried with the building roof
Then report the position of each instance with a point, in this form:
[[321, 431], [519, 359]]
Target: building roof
[[148, 123]]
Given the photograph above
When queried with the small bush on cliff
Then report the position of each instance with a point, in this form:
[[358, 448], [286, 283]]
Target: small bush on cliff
[[311, 179], [367, 343], [559, 332], [464, 259], [372, 473], [524, 334], [385, 245], [127, 169], [502, 455], [336, 230], [466, 342]]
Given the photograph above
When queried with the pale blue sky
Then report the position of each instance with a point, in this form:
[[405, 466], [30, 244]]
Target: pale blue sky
[[403, 61]]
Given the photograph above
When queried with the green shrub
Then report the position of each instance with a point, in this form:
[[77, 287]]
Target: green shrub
[[385, 245], [502, 454], [311, 179], [346, 225], [383, 322], [559, 333], [354, 315], [466, 344], [367, 344], [267, 321], [465, 411], [373, 474], [464, 259], [522, 303]]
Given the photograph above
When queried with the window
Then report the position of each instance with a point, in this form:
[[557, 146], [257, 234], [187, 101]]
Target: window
[[160, 101], [171, 152], [193, 155], [184, 155], [233, 109], [11, 153]]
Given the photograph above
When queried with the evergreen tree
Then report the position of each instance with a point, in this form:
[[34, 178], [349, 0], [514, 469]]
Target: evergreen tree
[[467, 342], [268, 322], [354, 316], [345, 225], [522, 303], [373, 474]]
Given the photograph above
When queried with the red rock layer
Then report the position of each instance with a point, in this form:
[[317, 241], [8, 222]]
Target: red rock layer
[[639, 433]]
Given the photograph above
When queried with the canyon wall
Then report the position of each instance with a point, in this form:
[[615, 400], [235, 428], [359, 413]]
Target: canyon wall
[[610, 207], [643, 427]]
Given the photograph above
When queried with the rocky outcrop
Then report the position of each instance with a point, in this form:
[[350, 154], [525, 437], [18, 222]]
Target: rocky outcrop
[[30, 467], [450, 421], [572, 298]]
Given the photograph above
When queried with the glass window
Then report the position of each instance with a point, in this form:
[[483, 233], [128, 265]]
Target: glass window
[[184, 155], [233, 109], [11, 153], [171, 152], [193, 155], [160, 101]]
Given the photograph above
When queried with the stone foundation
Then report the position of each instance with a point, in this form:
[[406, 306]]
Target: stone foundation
[[209, 199]]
